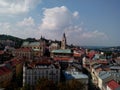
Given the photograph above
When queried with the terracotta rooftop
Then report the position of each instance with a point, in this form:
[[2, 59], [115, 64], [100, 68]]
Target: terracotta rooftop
[[91, 54], [1, 72], [102, 61], [1, 52], [14, 61], [42, 62], [76, 54], [113, 85], [4, 70], [24, 49], [62, 58]]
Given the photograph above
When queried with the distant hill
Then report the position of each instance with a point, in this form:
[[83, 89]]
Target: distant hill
[[16, 40], [94, 47], [9, 37], [19, 41]]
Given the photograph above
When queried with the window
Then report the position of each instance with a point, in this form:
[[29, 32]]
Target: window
[[28, 78], [35, 72], [46, 72], [35, 77]]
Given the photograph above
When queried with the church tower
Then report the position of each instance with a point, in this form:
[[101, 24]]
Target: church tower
[[63, 42]]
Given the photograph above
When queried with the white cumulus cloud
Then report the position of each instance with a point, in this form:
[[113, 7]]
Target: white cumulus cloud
[[23, 29], [57, 18], [26, 22], [94, 34], [76, 14], [5, 27], [54, 23], [16, 6]]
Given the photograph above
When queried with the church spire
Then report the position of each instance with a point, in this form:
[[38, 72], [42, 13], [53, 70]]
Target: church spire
[[63, 42]]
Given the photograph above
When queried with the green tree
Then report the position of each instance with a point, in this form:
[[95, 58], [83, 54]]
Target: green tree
[[26, 87], [45, 84], [71, 85], [75, 85], [62, 86]]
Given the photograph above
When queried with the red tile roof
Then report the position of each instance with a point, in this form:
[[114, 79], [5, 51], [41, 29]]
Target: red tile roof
[[91, 54], [14, 61], [4, 70], [1, 72], [113, 85], [1, 52], [24, 49], [102, 62], [76, 54], [62, 58]]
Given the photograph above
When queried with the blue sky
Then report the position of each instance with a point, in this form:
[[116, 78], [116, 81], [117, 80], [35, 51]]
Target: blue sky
[[85, 22]]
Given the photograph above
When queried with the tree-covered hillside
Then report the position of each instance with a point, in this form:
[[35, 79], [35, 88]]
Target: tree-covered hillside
[[16, 40]]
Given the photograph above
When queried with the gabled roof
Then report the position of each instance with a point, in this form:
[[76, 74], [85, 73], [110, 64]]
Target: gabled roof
[[30, 44], [34, 44], [115, 67], [25, 43], [103, 57], [113, 85], [76, 54], [62, 58], [91, 54], [54, 44], [104, 75], [24, 49], [97, 56], [72, 74], [15, 61], [44, 62], [4, 70]]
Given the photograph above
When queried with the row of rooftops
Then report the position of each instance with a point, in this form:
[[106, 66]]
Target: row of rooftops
[[25, 49], [107, 72], [43, 62], [103, 69], [30, 44], [5, 68], [14, 61], [103, 75], [72, 73], [59, 51], [63, 58]]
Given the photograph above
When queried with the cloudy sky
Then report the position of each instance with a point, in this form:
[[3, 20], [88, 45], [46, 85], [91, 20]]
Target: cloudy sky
[[85, 22]]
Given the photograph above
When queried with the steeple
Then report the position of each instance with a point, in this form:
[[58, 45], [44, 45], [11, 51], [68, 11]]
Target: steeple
[[63, 42]]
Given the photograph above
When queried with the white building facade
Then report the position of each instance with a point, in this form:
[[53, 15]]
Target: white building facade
[[32, 75]]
